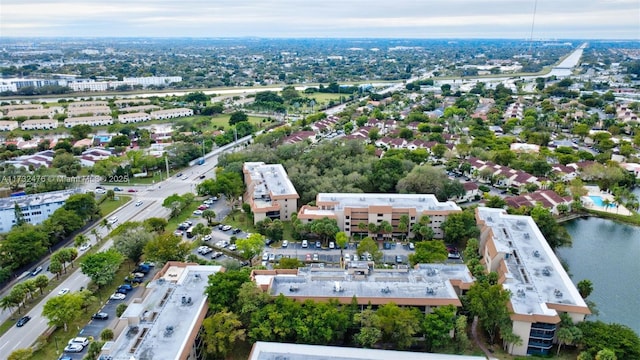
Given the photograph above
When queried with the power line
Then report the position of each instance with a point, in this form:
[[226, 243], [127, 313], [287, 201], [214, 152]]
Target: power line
[[533, 21]]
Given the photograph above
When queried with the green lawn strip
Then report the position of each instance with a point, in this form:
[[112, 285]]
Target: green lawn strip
[[46, 345], [633, 219], [109, 206]]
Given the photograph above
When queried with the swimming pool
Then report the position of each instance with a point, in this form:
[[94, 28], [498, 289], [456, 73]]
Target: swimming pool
[[598, 201]]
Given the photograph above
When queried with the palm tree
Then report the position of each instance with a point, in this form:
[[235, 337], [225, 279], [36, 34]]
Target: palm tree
[[95, 233], [606, 203], [209, 215], [81, 240], [362, 227]]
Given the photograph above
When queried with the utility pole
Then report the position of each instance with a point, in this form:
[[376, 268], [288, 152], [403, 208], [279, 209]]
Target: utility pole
[[166, 162]]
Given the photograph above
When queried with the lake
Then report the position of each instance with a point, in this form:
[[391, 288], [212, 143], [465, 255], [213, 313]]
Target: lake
[[608, 254]]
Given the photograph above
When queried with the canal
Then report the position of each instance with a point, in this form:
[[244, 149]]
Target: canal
[[608, 254]]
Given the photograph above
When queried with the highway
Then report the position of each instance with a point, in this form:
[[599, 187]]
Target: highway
[[152, 197]]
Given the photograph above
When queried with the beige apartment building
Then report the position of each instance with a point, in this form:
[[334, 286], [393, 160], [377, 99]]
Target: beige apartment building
[[42, 124], [88, 120], [269, 192], [350, 210], [514, 247], [6, 125]]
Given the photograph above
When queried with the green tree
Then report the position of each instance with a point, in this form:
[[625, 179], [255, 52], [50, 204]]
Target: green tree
[[462, 339], [428, 252], [606, 354], [555, 234], [221, 332], [385, 174], [459, 227], [250, 246], [237, 117], [79, 132], [84, 205], [341, 240], [155, 224], [427, 179], [55, 266], [585, 288], [41, 281], [494, 201], [80, 240], [622, 340], [106, 334], [167, 247], [367, 245], [23, 245], [223, 289], [131, 242], [437, 326], [398, 325], [120, 309], [101, 267], [422, 229], [369, 333], [489, 304], [68, 164], [17, 213], [63, 309], [209, 215]]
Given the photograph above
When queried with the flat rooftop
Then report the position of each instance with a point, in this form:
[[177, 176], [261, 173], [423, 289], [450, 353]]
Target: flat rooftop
[[421, 202], [535, 275], [427, 284], [285, 351], [37, 199], [269, 179], [166, 316]]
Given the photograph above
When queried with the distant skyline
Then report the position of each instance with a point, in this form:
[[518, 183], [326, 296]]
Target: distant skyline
[[501, 19]]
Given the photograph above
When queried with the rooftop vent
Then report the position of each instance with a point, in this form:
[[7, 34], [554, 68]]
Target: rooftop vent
[[168, 331], [558, 293], [526, 236], [430, 291], [536, 253], [337, 287], [432, 272], [293, 288], [546, 271], [422, 199], [521, 293], [186, 300], [385, 290]]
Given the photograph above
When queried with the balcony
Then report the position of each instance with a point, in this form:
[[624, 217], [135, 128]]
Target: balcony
[[545, 335], [543, 326]]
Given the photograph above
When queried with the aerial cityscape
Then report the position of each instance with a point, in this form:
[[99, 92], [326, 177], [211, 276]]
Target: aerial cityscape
[[277, 179]]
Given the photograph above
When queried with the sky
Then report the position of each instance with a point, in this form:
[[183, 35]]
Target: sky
[[505, 19]]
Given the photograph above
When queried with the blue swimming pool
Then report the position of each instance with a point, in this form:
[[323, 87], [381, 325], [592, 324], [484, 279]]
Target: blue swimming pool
[[598, 201]]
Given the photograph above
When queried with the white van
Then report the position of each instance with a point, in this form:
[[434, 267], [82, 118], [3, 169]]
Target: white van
[[305, 244]]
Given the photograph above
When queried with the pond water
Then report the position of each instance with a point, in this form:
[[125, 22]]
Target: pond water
[[608, 254]]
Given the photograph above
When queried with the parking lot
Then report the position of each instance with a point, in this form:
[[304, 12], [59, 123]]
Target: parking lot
[[95, 327]]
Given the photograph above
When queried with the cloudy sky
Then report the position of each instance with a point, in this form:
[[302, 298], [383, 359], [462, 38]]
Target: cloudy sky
[[575, 19]]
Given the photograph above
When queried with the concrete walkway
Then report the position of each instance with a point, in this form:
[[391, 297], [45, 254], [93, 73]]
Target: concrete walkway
[[480, 344]]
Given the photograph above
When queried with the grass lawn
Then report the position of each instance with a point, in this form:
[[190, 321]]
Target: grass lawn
[[186, 213], [238, 219], [109, 206]]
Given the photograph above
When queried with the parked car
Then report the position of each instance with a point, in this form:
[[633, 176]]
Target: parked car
[[412, 246], [268, 242], [23, 320], [307, 257], [203, 207], [127, 286], [197, 212], [220, 226], [265, 257], [226, 228], [236, 231], [100, 316], [73, 348], [178, 233], [101, 191], [305, 244], [316, 257], [399, 259], [272, 257], [207, 238], [232, 247], [285, 243], [387, 245], [133, 280], [201, 177], [118, 296], [332, 245], [318, 244], [82, 341]]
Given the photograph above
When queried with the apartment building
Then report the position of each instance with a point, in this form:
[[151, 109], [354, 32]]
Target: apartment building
[[87, 104], [35, 208], [92, 110], [133, 117], [269, 192], [426, 286], [165, 322], [350, 210], [88, 120], [130, 102], [139, 108], [6, 125], [29, 113], [41, 124], [171, 113], [514, 247], [7, 108]]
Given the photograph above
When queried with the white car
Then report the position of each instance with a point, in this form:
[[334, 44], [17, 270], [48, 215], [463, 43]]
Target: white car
[[63, 291], [101, 191], [233, 247], [112, 220], [118, 296], [226, 228], [265, 257], [285, 243], [82, 341], [139, 202], [207, 238], [332, 245], [197, 212], [84, 247]]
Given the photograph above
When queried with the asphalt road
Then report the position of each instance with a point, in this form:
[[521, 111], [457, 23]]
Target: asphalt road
[[151, 197]]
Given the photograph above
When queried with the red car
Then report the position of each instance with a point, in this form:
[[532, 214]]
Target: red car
[[203, 207], [307, 257], [132, 190]]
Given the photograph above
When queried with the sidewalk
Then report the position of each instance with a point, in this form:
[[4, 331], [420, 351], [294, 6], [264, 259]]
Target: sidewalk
[[476, 340]]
